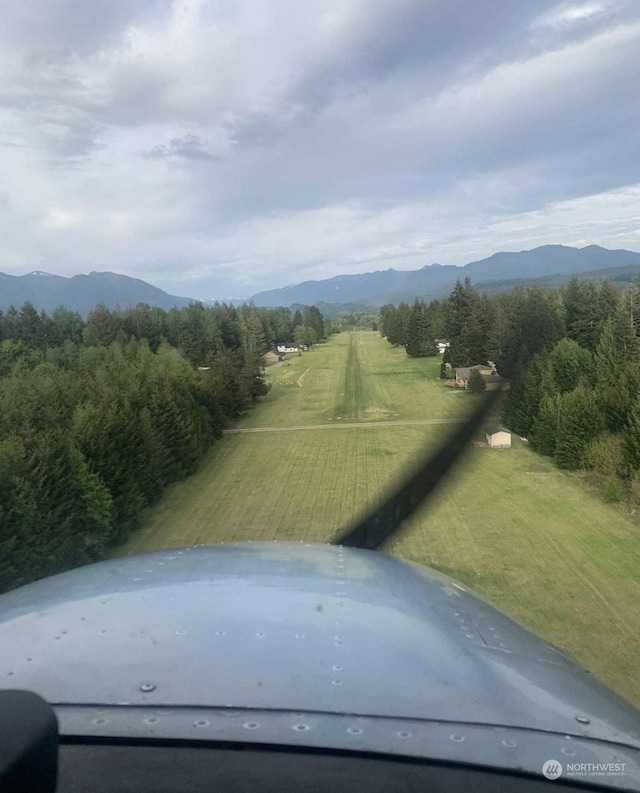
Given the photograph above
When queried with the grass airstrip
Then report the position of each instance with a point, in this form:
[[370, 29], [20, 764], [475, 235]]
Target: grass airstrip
[[508, 524]]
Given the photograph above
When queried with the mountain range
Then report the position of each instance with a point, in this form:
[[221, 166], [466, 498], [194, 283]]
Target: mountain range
[[437, 280], [82, 293], [548, 265]]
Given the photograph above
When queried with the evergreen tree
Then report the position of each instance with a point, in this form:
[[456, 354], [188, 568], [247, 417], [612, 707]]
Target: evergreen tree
[[526, 395], [476, 382], [464, 324], [459, 308], [31, 327], [420, 341], [546, 424], [387, 312], [313, 319], [229, 324], [580, 422], [9, 323], [582, 312], [608, 301], [251, 377], [631, 304], [499, 330], [256, 337], [617, 363], [469, 347], [101, 328], [437, 315], [631, 437], [399, 326], [192, 335], [225, 385]]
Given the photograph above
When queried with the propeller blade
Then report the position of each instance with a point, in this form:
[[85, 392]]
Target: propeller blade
[[377, 528]]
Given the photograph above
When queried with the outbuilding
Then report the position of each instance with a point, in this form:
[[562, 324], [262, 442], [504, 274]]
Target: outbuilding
[[499, 438]]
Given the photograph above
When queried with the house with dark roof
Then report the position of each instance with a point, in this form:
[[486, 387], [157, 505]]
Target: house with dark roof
[[272, 357], [491, 378], [463, 373]]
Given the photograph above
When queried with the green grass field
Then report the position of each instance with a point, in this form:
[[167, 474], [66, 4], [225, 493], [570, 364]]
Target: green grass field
[[356, 377], [538, 544]]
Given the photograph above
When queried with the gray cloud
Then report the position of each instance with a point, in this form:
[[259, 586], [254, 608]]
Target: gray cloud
[[190, 147], [347, 135], [46, 30]]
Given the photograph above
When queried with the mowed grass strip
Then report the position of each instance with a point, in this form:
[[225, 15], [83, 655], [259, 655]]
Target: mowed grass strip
[[355, 376], [400, 387], [539, 545], [301, 485]]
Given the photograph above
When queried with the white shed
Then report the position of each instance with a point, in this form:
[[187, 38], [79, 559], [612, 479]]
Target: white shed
[[499, 438]]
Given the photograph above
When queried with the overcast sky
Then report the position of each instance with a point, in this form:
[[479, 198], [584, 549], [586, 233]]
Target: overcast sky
[[221, 147]]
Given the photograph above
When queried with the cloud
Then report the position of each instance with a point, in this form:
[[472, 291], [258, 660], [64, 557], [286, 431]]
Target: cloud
[[571, 13], [51, 30], [346, 135], [63, 219], [190, 147]]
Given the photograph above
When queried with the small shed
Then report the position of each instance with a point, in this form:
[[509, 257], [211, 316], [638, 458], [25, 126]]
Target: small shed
[[271, 357], [499, 438]]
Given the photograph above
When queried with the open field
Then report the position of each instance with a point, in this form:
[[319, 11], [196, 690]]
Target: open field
[[539, 545], [358, 376]]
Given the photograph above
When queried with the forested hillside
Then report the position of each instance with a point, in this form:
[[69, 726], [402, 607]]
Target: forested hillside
[[573, 359], [98, 417]]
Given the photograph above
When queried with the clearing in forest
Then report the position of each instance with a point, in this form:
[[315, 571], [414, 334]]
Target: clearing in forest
[[538, 544]]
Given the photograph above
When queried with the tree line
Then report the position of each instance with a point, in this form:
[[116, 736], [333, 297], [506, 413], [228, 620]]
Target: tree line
[[572, 357], [98, 416], [413, 327]]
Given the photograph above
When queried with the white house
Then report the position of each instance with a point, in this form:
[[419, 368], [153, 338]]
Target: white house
[[291, 347]]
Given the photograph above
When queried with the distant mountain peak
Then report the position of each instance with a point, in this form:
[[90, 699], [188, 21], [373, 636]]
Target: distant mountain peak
[[107, 275]]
